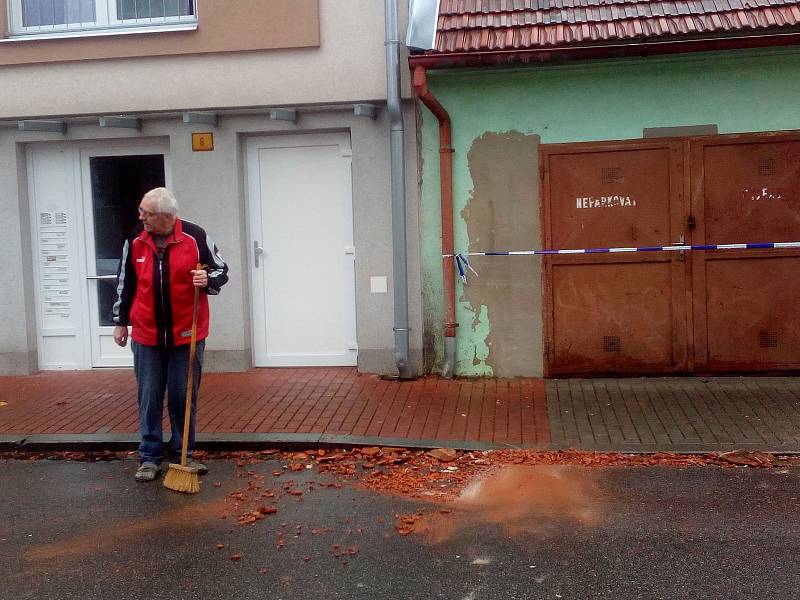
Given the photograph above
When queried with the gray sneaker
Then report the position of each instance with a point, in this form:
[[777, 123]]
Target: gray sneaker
[[201, 468], [190, 462], [147, 471]]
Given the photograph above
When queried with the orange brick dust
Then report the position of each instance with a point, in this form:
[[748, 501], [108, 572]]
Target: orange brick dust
[[521, 499]]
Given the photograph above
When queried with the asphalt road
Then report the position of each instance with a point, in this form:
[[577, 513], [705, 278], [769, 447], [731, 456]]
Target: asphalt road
[[87, 530]]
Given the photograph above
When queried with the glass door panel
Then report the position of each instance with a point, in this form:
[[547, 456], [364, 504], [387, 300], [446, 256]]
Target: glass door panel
[[117, 184]]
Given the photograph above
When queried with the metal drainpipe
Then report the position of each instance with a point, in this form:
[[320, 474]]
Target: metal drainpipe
[[420, 83], [399, 252]]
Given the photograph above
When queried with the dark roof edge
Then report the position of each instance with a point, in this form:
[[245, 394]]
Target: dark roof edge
[[621, 49]]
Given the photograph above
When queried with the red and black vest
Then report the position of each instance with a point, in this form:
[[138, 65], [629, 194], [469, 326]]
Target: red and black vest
[[155, 294]]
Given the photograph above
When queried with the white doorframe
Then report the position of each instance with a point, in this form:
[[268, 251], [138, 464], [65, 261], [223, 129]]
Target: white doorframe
[[55, 217], [59, 183], [334, 153]]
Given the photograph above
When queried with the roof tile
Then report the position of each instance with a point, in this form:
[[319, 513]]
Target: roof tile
[[487, 25]]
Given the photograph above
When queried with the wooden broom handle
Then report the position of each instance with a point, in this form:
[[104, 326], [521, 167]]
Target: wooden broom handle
[[187, 419]]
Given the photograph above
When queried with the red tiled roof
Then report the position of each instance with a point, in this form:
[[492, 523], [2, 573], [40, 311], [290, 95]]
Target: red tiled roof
[[470, 26]]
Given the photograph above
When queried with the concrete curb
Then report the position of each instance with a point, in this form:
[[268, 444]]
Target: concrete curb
[[9, 443], [347, 441], [218, 442], [678, 448], [256, 441], [76, 442]]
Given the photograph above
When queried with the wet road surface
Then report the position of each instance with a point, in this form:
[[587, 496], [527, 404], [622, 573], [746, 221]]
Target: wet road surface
[[87, 530]]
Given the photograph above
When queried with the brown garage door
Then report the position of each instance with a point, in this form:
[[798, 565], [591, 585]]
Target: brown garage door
[[614, 312], [659, 312], [745, 189]]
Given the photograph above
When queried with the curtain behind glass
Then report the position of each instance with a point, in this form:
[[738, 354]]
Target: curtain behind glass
[[36, 13], [148, 9]]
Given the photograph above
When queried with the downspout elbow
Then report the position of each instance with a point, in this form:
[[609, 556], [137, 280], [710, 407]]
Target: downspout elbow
[[419, 82]]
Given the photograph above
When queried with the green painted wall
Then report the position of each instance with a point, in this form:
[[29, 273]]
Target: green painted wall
[[739, 91]]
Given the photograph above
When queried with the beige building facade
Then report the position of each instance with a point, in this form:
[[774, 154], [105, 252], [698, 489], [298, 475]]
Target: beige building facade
[[269, 122]]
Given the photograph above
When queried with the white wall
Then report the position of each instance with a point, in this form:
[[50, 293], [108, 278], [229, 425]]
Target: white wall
[[16, 302], [211, 188]]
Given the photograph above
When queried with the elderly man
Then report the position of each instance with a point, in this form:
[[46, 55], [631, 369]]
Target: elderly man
[[155, 290]]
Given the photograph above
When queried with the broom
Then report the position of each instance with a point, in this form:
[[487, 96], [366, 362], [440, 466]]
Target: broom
[[183, 478]]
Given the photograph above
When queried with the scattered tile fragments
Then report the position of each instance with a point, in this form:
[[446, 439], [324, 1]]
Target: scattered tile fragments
[[444, 454]]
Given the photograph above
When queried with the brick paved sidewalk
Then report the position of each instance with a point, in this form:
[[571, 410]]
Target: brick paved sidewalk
[[313, 406], [296, 405]]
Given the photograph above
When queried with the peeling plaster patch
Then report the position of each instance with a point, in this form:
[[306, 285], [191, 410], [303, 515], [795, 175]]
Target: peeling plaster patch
[[471, 358], [502, 213]]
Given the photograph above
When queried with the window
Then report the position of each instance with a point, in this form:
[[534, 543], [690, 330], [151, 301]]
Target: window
[[37, 17]]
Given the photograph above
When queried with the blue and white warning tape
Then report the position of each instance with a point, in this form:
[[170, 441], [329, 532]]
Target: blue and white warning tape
[[462, 263]]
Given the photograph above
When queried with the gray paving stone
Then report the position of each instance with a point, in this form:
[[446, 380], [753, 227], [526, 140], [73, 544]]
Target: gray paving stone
[[676, 413]]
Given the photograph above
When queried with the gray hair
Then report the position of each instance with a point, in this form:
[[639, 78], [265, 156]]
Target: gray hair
[[165, 200]]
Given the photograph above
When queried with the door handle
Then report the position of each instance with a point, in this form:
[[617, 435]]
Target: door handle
[[257, 251], [681, 242], [101, 277]]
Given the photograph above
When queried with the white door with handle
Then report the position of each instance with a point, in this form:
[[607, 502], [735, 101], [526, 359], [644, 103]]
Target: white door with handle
[[301, 253], [84, 199]]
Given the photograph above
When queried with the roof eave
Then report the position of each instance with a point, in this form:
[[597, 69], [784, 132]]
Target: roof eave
[[621, 49]]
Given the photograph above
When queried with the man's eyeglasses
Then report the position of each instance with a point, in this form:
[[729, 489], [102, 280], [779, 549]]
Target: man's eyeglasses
[[146, 214]]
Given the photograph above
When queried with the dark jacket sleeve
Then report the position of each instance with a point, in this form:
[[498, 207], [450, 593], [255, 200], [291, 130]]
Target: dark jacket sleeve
[[126, 286], [215, 265]]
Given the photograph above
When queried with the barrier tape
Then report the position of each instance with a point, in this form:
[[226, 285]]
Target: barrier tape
[[463, 264]]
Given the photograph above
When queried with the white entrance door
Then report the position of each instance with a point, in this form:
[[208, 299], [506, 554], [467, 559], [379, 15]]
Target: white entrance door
[[84, 198], [113, 181], [301, 251], [55, 217]]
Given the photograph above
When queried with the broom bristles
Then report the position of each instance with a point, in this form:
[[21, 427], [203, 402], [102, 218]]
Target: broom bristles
[[182, 479]]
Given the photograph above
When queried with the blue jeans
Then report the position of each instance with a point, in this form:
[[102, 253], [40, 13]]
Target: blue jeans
[[159, 370]]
